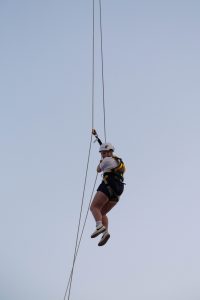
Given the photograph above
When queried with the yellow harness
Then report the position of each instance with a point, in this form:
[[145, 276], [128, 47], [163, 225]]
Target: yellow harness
[[114, 179], [118, 171]]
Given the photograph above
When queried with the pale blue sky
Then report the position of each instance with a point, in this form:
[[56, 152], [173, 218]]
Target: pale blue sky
[[152, 93]]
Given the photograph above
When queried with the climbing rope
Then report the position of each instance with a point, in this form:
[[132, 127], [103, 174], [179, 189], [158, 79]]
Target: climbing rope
[[69, 284], [78, 245], [79, 223], [78, 239], [102, 70]]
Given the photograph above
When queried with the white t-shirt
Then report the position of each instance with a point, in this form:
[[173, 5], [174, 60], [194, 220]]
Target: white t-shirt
[[107, 164]]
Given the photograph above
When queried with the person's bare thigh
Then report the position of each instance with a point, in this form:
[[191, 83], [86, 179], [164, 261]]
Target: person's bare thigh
[[100, 199], [107, 207]]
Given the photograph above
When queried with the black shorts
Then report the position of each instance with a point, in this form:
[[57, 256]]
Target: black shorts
[[113, 190], [108, 192]]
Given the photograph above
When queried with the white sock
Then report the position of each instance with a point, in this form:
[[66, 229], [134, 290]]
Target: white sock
[[98, 223]]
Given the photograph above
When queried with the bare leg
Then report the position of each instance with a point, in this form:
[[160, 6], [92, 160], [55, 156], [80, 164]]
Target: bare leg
[[105, 221], [100, 199], [105, 209]]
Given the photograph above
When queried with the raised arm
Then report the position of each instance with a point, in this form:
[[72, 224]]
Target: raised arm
[[96, 136]]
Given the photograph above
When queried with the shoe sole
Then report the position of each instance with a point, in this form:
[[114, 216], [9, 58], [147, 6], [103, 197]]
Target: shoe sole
[[98, 232], [102, 243]]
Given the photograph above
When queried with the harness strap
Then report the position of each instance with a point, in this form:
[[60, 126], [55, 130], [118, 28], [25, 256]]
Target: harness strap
[[116, 172], [120, 168], [117, 176]]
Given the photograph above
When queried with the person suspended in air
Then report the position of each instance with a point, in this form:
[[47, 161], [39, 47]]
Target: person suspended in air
[[110, 189]]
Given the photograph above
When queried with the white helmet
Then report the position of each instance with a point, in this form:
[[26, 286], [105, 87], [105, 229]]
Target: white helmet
[[106, 147]]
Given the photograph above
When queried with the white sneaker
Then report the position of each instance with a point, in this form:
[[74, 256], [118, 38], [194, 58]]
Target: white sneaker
[[99, 229], [104, 239]]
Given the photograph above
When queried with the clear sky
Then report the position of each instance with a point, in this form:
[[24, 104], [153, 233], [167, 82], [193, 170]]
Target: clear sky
[[152, 93]]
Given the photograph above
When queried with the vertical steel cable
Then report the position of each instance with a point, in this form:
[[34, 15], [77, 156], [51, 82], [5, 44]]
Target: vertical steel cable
[[78, 240], [69, 284], [93, 64], [79, 223], [102, 70]]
